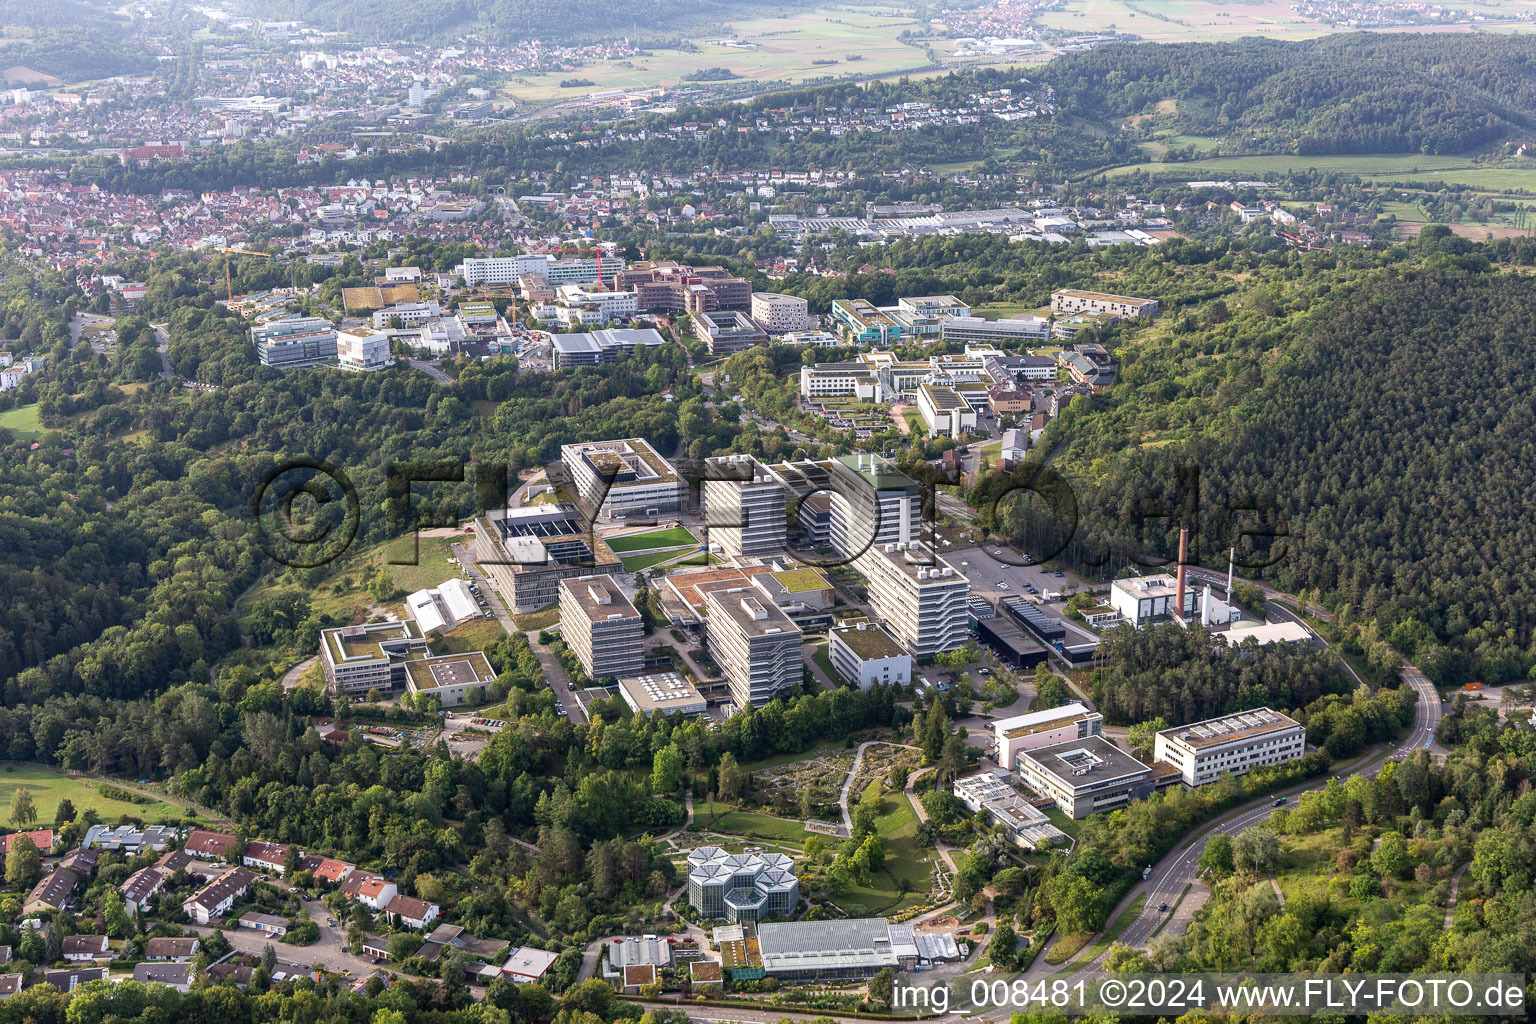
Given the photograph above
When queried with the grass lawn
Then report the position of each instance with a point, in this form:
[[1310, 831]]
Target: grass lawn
[[544, 618], [474, 635], [1061, 821], [1067, 947], [904, 861], [634, 563], [24, 423], [48, 789], [824, 660], [723, 817], [652, 539], [432, 566]]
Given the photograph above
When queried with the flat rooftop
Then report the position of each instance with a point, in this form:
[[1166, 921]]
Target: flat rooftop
[[868, 641], [802, 581], [348, 643], [469, 669], [1160, 585], [820, 945], [1042, 721], [1244, 725], [752, 613], [692, 586], [1086, 761], [661, 691], [943, 397], [628, 454], [1078, 293], [599, 598], [919, 561]]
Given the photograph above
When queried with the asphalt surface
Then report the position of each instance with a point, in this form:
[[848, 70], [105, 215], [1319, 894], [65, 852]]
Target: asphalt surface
[[1177, 870]]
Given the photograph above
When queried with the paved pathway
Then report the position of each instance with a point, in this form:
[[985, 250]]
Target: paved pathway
[[1450, 904]]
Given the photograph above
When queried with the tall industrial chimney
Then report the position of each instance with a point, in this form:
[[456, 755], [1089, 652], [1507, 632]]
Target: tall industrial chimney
[[1183, 556]]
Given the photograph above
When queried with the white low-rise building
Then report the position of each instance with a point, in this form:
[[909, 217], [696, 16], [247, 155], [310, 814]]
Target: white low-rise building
[[362, 349], [866, 654]]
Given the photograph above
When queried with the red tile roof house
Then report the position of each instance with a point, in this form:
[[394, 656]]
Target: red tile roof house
[[369, 889], [266, 856], [83, 948], [41, 838], [211, 845], [412, 912], [326, 869]]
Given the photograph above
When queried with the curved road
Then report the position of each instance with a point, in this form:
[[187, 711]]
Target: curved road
[[1177, 870]]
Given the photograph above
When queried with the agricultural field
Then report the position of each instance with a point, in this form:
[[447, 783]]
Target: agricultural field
[[48, 788], [1518, 174], [1183, 21], [786, 49]]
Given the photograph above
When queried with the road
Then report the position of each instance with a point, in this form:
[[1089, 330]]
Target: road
[[554, 672], [1179, 869], [431, 370], [329, 951], [162, 345]]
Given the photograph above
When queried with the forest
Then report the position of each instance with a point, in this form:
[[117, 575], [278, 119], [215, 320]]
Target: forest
[[1354, 93]]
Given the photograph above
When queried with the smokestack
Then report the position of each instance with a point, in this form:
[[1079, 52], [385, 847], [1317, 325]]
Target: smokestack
[[1231, 558], [1183, 554]]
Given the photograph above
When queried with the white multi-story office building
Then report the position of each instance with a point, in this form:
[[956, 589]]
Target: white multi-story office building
[[1230, 745], [780, 314], [944, 411], [602, 627], [868, 501], [591, 305], [623, 478], [755, 644], [295, 341], [362, 349], [1075, 300], [917, 595], [973, 330], [835, 380], [1043, 729], [409, 314], [744, 507], [503, 270]]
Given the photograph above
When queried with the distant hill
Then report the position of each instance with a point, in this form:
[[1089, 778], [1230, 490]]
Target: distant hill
[[1355, 93], [567, 21]]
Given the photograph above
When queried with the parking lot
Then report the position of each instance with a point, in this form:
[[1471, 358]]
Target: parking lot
[[992, 578]]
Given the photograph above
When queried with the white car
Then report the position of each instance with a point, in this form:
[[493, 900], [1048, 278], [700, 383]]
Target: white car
[[1002, 586]]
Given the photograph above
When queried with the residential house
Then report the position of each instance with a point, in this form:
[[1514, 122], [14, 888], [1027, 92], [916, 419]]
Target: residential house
[[369, 889], [42, 838], [50, 892], [10, 984], [217, 897], [527, 964], [141, 888], [178, 975], [83, 948], [70, 978], [412, 912], [171, 948], [211, 845], [264, 856]]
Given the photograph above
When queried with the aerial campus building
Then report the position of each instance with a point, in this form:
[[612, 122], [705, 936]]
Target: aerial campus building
[[741, 887], [1043, 729], [389, 656], [853, 501], [623, 478], [1075, 300], [295, 341], [756, 645], [843, 950], [1084, 776], [744, 507], [601, 626], [526, 552], [1230, 745], [917, 595]]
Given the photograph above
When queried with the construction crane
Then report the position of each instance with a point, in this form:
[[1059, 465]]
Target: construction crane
[[229, 284]]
